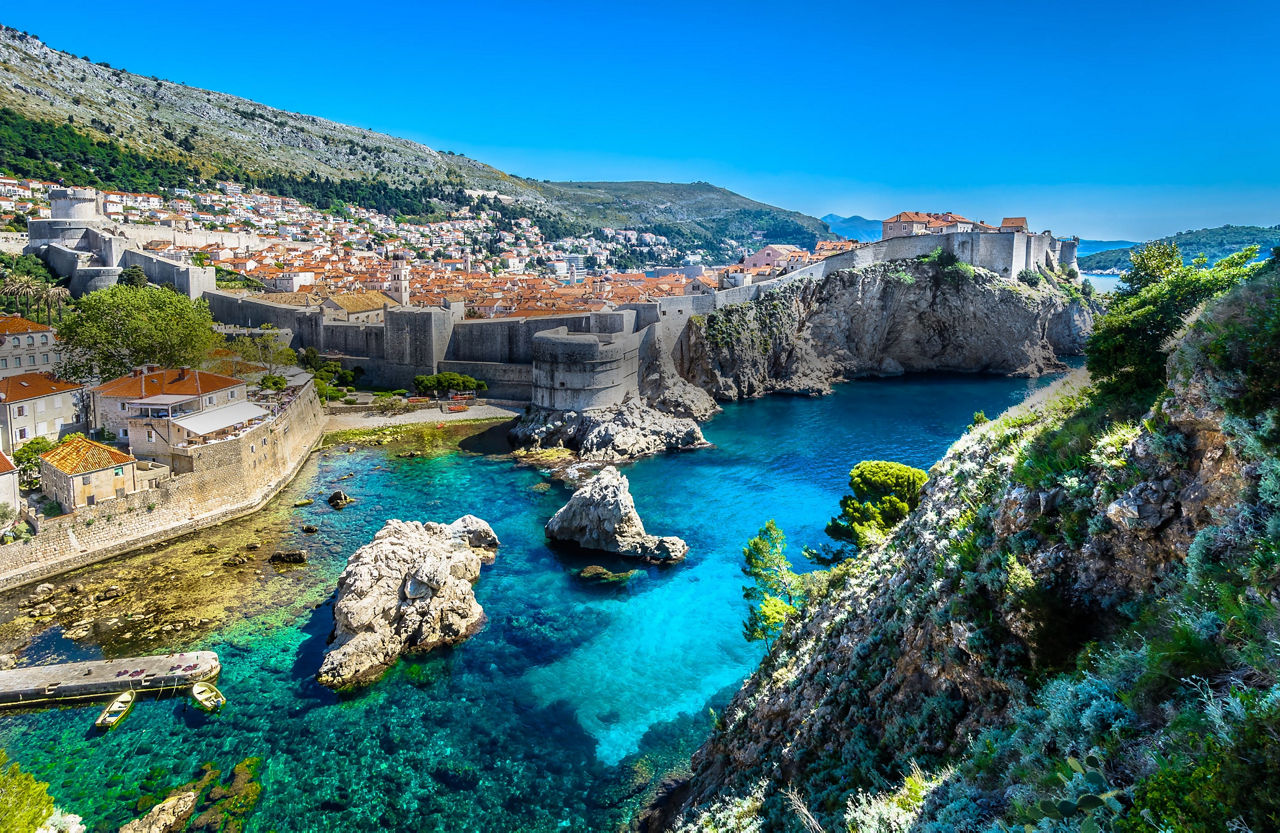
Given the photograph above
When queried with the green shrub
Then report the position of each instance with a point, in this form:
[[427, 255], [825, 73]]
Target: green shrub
[[441, 382], [1249, 343], [883, 494], [24, 802], [1030, 277], [273, 382], [948, 267]]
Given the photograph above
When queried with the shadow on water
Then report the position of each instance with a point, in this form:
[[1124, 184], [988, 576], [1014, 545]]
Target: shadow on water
[[492, 440]]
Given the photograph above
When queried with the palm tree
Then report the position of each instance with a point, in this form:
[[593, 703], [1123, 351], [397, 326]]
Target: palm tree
[[22, 287], [55, 297]]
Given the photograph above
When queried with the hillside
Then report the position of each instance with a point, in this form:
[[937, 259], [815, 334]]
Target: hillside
[[1090, 247], [1075, 630], [1213, 243], [210, 133], [854, 227]]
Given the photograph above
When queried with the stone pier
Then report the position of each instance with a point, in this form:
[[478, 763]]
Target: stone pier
[[50, 684]]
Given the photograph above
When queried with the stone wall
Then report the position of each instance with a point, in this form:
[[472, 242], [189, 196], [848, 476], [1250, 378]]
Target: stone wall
[[578, 371], [192, 281], [235, 477]]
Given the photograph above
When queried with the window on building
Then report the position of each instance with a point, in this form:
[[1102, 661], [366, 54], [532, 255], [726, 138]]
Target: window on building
[[20, 410], [4, 364], [208, 400], [44, 339], [151, 436], [231, 395], [85, 480], [119, 471], [31, 341], [22, 433], [124, 432], [17, 342], [17, 361], [44, 358]]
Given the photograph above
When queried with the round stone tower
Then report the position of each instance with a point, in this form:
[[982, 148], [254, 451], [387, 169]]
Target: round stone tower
[[74, 204]]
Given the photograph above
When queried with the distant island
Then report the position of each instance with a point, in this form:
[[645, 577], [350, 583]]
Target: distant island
[[1213, 243]]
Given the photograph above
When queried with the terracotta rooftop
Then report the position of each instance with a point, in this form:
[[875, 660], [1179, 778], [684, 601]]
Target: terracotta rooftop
[[10, 324], [31, 386], [80, 455], [6, 465], [155, 381]]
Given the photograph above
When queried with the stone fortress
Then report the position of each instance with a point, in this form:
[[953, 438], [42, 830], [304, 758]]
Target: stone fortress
[[79, 242], [567, 362]]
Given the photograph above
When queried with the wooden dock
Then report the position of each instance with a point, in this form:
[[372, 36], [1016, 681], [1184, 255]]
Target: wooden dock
[[51, 684]]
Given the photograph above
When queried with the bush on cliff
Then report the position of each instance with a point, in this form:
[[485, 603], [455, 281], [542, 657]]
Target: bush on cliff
[[775, 592], [884, 493], [1129, 347], [1248, 343]]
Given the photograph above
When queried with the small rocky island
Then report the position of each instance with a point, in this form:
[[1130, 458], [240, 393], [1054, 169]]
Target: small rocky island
[[601, 515], [409, 589]]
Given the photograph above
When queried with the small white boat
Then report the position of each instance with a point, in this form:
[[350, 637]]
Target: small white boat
[[208, 697], [117, 710]]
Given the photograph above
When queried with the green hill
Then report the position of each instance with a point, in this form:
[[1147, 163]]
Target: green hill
[[168, 135], [1213, 243]]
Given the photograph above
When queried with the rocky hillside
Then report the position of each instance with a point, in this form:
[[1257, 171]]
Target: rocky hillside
[[1213, 243], [211, 132], [1075, 630], [888, 318]]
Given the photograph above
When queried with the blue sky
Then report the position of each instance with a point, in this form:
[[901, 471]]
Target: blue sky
[[1126, 120]]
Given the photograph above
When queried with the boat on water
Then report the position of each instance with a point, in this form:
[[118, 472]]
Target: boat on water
[[208, 697], [117, 710]]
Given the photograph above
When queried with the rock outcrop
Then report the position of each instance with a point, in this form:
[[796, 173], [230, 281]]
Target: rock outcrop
[[409, 589], [608, 435], [883, 320], [601, 515], [166, 817]]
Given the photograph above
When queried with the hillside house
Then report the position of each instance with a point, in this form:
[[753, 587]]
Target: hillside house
[[770, 256], [81, 472], [35, 405], [26, 346], [152, 393]]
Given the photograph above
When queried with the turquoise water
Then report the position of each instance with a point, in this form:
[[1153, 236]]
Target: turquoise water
[[573, 696]]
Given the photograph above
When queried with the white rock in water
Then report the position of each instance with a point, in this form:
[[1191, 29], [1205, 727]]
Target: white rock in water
[[607, 435], [409, 589], [601, 515], [167, 816]]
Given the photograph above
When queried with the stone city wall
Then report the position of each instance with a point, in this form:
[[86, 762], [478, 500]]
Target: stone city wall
[[234, 478], [579, 371]]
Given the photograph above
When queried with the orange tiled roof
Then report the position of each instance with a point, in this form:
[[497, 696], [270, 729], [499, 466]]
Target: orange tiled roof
[[6, 465], [1013, 221], [31, 386], [10, 324], [80, 455], [179, 382]]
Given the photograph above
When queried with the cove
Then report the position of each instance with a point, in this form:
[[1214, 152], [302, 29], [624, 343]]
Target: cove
[[574, 697]]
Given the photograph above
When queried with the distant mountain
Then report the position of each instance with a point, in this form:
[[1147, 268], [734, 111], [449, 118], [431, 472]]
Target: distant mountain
[[171, 127], [1213, 243], [1088, 247], [854, 227]]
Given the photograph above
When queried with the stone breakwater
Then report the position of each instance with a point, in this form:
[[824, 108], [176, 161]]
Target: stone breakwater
[[602, 515], [883, 320], [409, 589], [607, 435]]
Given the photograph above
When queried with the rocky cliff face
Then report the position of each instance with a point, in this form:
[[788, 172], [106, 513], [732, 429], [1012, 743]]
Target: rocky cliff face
[[409, 589], [944, 648], [883, 320], [601, 515]]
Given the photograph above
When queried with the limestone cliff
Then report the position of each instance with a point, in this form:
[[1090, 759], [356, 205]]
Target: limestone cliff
[[1074, 582], [884, 320]]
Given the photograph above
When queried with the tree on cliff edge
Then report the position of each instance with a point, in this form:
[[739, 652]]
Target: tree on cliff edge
[[776, 591], [113, 330]]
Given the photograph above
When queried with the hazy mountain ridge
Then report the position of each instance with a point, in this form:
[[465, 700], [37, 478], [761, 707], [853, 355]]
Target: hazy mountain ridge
[[855, 227], [1214, 243], [211, 131]]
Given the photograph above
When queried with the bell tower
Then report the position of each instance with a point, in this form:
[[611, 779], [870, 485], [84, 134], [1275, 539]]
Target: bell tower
[[399, 284]]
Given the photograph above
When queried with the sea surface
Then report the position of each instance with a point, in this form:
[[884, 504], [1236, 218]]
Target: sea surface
[[570, 701]]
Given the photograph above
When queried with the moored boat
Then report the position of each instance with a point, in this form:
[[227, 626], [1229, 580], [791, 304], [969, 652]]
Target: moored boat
[[208, 697], [117, 710]]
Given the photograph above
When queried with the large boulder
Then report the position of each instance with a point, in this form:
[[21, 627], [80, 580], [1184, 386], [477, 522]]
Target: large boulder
[[601, 515], [167, 816], [409, 589]]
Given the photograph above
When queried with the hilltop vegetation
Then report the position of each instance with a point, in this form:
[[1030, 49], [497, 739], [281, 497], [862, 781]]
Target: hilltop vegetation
[[1213, 243], [153, 134]]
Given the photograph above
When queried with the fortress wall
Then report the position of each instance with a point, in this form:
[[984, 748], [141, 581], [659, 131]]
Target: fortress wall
[[190, 280], [507, 339], [577, 371], [417, 336], [354, 339], [304, 322], [144, 234], [62, 259], [505, 381]]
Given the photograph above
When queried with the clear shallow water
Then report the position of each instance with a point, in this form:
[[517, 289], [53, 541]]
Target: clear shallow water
[[572, 697]]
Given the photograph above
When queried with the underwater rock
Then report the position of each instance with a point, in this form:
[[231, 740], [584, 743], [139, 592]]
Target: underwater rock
[[409, 589], [167, 816], [301, 503], [601, 515], [340, 499], [7, 661], [288, 557], [310, 528], [599, 575]]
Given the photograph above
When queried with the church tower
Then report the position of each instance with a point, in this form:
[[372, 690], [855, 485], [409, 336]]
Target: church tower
[[399, 284]]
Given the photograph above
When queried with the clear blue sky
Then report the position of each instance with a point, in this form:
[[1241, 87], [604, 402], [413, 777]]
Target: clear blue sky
[[1118, 119]]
